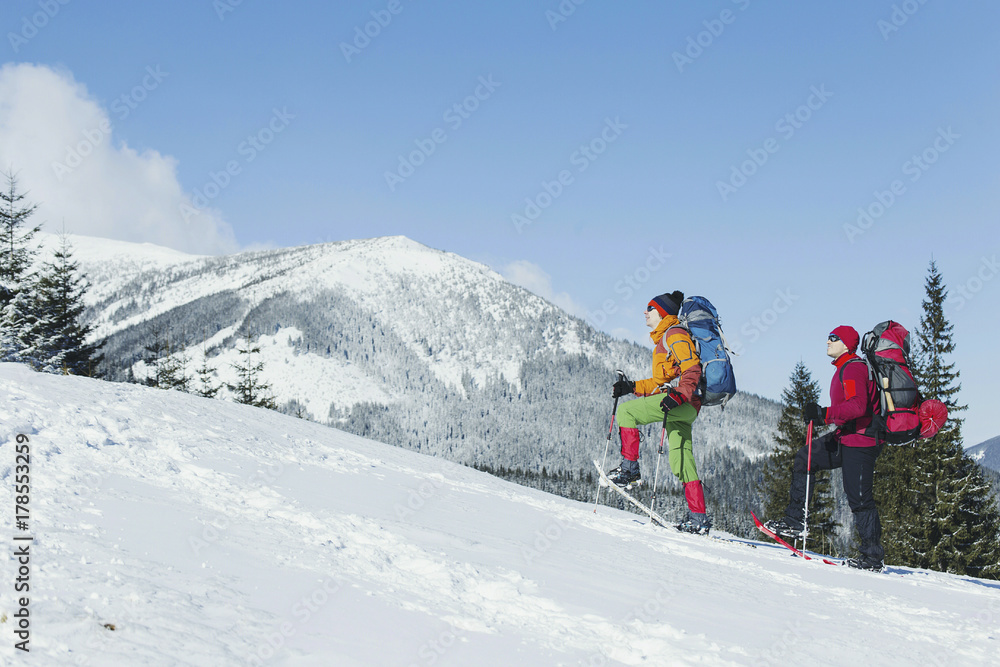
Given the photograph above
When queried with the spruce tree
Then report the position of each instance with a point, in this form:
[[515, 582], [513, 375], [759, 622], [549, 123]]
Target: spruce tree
[[17, 250], [896, 494], [155, 351], [791, 437], [173, 371], [946, 518], [18, 315], [59, 333], [165, 368], [206, 386], [250, 389]]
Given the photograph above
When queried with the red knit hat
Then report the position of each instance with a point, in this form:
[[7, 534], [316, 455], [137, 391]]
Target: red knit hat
[[848, 335]]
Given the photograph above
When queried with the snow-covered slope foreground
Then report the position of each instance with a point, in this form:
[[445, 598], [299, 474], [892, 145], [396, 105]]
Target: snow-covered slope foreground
[[174, 530]]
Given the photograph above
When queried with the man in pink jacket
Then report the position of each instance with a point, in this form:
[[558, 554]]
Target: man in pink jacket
[[853, 402]]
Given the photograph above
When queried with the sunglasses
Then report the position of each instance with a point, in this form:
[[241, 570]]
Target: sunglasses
[[649, 308], [833, 338]]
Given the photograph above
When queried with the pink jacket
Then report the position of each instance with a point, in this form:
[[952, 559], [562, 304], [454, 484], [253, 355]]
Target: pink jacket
[[853, 400]]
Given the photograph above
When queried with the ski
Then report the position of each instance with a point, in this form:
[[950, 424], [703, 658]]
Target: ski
[[653, 516], [774, 536]]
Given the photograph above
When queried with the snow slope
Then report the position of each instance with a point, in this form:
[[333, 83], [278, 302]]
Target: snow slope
[[209, 533]]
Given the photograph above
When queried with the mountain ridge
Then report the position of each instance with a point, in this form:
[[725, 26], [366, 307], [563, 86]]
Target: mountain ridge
[[986, 453]]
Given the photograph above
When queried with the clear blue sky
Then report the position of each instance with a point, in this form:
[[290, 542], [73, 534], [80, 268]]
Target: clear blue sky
[[880, 94]]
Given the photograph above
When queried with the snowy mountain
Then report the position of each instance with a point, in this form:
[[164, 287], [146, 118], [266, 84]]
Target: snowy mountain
[[987, 453], [175, 530], [393, 340], [447, 311]]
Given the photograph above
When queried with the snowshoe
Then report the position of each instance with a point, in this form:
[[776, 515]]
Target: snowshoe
[[865, 563], [785, 527], [626, 476], [699, 525]]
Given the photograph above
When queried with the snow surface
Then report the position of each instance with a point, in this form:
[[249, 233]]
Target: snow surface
[[210, 533]]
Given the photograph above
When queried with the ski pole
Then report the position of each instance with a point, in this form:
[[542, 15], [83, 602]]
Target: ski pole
[[809, 465], [607, 444], [659, 454]]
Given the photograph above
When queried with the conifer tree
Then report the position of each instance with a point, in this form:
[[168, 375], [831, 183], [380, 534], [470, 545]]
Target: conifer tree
[[250, 388], [777, 477], [173, 372], [17, 251], [896, 493], [946, 517], [206, 387], [169, 369], [59, 334], [155, 351]]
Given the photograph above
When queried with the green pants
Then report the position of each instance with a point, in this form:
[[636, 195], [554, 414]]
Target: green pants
[[647, 410]]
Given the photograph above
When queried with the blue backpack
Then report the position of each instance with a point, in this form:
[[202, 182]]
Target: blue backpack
[[718, 382]]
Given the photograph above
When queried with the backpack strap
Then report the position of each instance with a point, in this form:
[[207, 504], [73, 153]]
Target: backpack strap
[[853, 424], [840, 372]]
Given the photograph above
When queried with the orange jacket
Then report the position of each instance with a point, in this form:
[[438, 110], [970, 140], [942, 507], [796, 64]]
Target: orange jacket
[[673, 357]]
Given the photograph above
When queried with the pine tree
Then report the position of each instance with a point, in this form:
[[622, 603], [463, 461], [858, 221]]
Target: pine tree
[[16, 248], [169, 369], [897, 498], [250, 389], [59, 334], [173, 371], [946, 518], [777, 477], [18, 315], [206, 387], [154, 353], [17, 324]]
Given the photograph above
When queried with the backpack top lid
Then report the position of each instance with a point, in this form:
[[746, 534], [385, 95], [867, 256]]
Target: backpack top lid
[[888, 340], [698, 311]]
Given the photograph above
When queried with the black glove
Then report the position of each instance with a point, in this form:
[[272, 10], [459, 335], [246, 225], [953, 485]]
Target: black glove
[[813, 413], [622, 388], [672, 400]]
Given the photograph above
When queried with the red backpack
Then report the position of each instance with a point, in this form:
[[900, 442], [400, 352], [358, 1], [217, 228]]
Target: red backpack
[[902, 416]]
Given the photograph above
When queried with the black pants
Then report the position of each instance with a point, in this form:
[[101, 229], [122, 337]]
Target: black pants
[[858, 465]]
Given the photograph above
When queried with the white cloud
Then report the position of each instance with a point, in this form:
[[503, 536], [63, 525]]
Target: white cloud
[[59, 141], [534, 279]]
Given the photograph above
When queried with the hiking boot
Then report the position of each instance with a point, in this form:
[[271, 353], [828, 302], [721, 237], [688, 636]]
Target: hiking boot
[[786, 527], [865, 563], [626, 475], [698, 524]]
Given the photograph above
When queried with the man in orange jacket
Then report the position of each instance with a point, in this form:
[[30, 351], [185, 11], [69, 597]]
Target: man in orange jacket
[[674, 359]]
